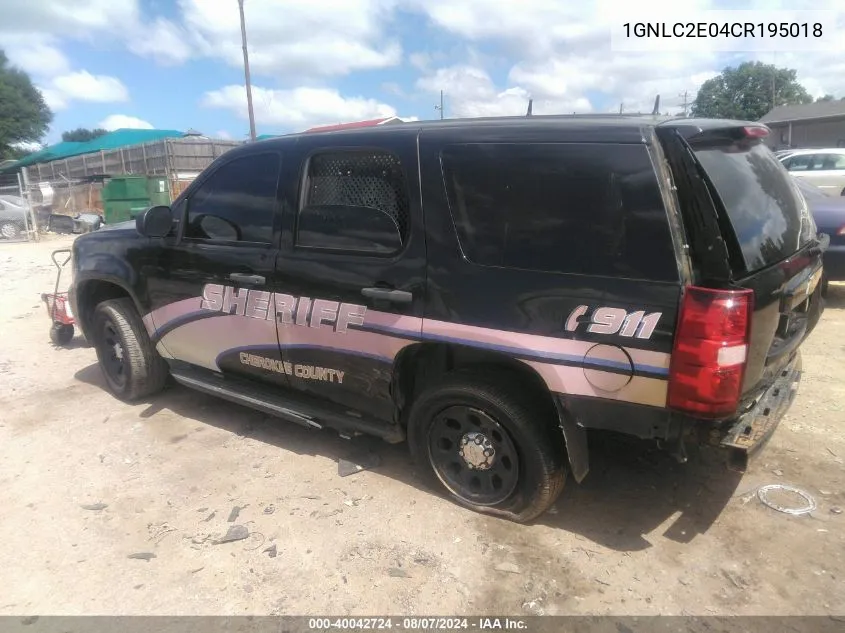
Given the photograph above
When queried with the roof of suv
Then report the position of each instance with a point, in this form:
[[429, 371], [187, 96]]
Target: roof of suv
[[610, 128]]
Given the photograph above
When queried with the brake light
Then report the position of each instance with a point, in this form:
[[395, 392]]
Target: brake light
[[756, 131], [841, 230], [710, 352]]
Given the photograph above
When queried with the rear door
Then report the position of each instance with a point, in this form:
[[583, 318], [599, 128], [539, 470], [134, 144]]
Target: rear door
[[351, 272], [767, 236]]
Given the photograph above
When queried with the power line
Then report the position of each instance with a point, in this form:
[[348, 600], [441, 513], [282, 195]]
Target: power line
[[685, 96]]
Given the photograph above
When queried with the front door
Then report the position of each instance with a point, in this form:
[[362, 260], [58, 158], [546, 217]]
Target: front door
[[211, 292], [352, 270]]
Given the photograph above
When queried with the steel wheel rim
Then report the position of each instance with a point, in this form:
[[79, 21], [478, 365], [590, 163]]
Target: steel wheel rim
[[473, 455], [114, 354]]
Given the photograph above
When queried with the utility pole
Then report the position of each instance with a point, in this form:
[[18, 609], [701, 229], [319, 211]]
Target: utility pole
[[621, 105], [685, 95], [246, 74], [440, 107]]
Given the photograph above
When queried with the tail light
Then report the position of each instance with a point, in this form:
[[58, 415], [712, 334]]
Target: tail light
[[841, 230], [711, 349]]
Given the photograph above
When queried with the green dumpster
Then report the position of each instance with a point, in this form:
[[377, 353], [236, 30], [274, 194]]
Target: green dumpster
[[124, 197]]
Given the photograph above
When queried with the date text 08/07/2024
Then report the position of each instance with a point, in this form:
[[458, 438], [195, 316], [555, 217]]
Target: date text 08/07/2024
[[417, 623]]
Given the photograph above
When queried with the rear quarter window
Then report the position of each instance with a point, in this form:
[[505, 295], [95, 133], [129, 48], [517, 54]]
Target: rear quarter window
[[588, 209]]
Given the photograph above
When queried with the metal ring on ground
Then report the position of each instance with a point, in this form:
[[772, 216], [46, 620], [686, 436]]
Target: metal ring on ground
[[764, 490]]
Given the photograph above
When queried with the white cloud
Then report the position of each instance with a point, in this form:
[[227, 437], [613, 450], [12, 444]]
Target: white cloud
[[470, 92], [37, 54], [295, 38], [54, 99], [76, 18], [560, 54], [296, 109], [164, 41], [83, 86], [223, 134], [119, 121]]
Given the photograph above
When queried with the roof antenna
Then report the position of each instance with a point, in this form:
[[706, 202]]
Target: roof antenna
[[530, 107], [656, 110]]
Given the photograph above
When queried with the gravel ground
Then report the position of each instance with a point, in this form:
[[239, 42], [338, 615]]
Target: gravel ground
[[111, 508]]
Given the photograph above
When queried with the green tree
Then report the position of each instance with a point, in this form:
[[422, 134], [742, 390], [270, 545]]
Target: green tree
[[24, 116], [82, 134], [825, 98], [745, 92]]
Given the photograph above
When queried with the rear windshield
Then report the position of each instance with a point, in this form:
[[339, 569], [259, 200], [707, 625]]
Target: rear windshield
[[769, 216]]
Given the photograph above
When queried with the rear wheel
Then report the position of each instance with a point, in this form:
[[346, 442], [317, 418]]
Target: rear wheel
[[492, 446], [131, 366]]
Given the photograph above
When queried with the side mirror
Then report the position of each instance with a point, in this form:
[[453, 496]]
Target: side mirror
[[155, 221]]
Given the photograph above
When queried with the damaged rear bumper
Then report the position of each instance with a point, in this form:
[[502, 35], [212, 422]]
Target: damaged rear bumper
[[745, 436]]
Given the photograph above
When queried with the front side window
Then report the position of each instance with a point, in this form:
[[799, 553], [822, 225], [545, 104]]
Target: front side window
[[592, 209], [354, 200], [237, 202]]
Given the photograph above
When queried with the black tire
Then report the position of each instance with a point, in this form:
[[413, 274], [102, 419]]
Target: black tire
[[131, 365], [61, 334], [498, 403], [11, 230]]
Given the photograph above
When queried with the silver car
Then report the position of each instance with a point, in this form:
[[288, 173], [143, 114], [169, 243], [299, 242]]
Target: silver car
[[824, 168], [13, 220]]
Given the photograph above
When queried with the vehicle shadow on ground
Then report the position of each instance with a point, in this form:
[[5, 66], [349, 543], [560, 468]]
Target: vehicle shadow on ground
[[632, 487], [835, 296]]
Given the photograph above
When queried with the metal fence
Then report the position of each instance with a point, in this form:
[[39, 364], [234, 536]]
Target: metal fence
[[179, 159]]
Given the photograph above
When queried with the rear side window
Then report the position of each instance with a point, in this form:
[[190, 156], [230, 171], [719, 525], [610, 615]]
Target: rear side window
[[355, 201], [769, 218], [591, 209], [237, 202]]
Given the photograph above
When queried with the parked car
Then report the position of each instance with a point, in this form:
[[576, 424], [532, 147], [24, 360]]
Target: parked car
[[824, 168], [13, 216], [490, 290], [829, 215]]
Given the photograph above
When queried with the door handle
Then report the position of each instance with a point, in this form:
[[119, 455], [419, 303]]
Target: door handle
[[386, 294], [244, 278]]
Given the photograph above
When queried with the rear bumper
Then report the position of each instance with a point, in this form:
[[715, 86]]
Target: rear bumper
[[745, 436]]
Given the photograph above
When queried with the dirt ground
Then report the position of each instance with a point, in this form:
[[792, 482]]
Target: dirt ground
[[642, 535]]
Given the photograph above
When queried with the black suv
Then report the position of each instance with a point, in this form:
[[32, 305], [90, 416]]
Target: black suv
[[489, 289]]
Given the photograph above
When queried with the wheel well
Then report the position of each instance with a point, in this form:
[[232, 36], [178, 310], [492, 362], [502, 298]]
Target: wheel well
[[420, 365], [90, 294]]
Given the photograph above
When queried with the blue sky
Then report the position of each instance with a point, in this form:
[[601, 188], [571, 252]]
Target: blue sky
[[177, 64]]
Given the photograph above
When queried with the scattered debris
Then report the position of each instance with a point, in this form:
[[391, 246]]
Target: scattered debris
[[312, 497], [831, 452], [778, 472], [601, 582], [235, 533], [271, 551], [147, 556], [509, 568], [764, 491], [270, 509], [234, 513], [209, 517], [194, 571], [364, 461], [94, 506], [158, 531], [395, 572], [533, 607], [836, 510], [203, 510]]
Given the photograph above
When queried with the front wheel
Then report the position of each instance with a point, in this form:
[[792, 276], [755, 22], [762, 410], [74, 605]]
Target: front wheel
[[495, 448], [131, 366]]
